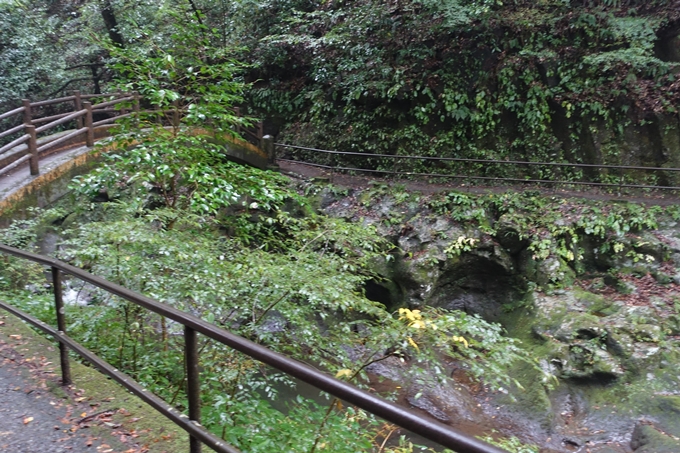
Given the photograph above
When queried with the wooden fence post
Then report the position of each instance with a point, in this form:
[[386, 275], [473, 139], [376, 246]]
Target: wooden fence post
[[89, 138], [33, 162], [78, 106], [27, 112], [135, 107]]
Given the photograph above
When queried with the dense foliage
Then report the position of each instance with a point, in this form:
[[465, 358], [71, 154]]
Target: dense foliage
[[166, 215], [524, 80], [553, 80]]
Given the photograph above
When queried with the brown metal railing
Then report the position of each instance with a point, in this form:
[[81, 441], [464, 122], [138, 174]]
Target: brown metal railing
[[401, 416]]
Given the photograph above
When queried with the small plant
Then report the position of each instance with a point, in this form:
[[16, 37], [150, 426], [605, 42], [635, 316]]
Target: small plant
[[460, 245]]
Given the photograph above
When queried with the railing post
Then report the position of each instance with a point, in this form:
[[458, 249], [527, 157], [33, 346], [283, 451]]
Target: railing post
[[89, 138], [175, 114], [78, 106], [27, 112], [33, 163], [61, 326], [135, 107], [193, 383], [238, 123], [269, 148]]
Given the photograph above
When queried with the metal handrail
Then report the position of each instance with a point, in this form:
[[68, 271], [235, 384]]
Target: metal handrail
[[401, 416], [483, 161], [482, 178]]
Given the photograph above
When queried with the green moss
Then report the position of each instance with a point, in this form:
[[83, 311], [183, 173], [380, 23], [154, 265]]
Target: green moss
[[648, 439], [596, 304]]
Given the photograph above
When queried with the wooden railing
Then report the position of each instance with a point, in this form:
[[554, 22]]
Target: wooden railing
[[24, 144], [28, 147]]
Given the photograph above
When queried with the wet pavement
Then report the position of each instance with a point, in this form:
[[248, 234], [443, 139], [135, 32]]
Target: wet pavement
[[95, 415], [34, 420], [36, 413]]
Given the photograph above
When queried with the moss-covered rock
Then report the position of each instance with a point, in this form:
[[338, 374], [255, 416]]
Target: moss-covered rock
[[647, 438]]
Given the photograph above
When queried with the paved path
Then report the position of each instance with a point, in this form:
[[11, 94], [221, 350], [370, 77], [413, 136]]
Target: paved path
[[37, 415], [34, 420], [294, 169], [19, 183]]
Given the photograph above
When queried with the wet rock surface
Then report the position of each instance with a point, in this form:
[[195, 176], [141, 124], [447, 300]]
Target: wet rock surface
[[610, 339]]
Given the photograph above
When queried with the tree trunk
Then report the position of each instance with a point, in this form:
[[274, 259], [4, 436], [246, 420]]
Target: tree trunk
[[111, 23]]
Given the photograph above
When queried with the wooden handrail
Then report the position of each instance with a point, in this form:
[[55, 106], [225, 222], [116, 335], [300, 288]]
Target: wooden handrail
[[82, 112], [52, 101], [11, 113]]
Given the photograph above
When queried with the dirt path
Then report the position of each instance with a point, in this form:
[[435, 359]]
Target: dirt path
[[293, 169]]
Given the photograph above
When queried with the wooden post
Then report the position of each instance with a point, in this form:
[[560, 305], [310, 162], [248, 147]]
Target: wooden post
[[135, 107], [174, 119], [33, 162], [27, 112], [89, 138], [78, 106]]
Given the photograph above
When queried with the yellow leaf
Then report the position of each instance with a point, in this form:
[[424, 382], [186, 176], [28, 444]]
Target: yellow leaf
[[409, 315], [413, 343], [342, 373], [461, 340], [28, 420]]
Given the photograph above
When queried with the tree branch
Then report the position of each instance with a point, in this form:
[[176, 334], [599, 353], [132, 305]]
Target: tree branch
[[79, 79]]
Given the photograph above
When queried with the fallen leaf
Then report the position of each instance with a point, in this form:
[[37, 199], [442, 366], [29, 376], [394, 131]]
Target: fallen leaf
[[15, 337], [28, 420], [83, 415]]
